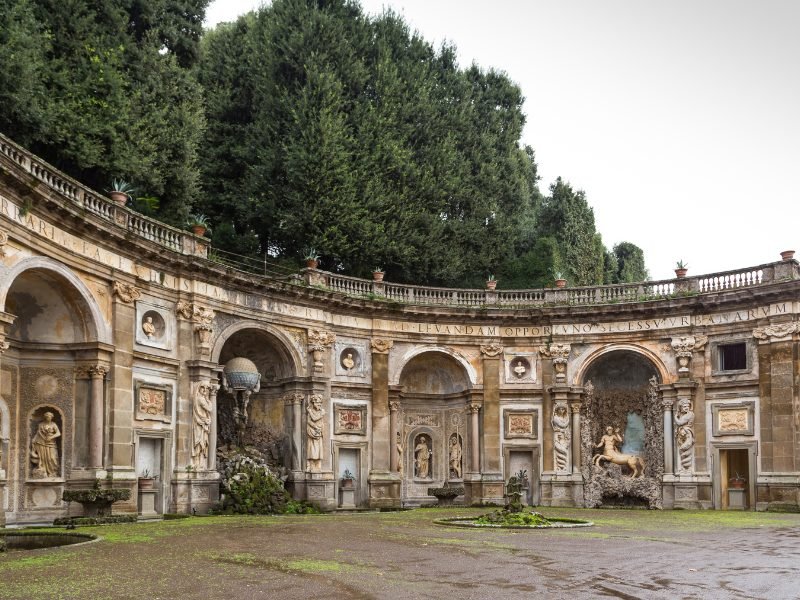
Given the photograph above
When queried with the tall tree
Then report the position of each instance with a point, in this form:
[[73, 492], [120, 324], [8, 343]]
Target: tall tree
[[630, 263]]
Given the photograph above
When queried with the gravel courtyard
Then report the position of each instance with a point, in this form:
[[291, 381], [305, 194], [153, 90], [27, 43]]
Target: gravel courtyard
[[628, 554]]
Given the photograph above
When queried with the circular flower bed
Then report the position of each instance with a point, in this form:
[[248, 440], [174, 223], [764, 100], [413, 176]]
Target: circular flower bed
[[505, 519]]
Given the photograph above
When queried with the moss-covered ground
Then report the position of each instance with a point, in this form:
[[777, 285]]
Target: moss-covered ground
[[628, 554]]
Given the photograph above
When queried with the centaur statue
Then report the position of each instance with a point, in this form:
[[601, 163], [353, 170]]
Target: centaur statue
[[610, 453]]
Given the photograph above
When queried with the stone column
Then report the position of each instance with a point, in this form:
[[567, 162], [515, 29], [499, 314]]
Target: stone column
[[212, 433], [295, 403], [394, 431], [97, 374], [6, 320], [575, 409], [475, 439]]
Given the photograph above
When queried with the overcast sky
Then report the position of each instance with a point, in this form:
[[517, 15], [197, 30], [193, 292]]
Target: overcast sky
[[680, 119]]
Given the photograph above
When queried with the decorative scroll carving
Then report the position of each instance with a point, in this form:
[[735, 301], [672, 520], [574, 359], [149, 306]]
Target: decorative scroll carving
[[684, 433], [781, 330], [491, 350], [318, 341], [683, 347], [314, 418], [381, 346], [3, 243], [194, 312], [126, 292], [733, 420], [561, 436], [201, 422]]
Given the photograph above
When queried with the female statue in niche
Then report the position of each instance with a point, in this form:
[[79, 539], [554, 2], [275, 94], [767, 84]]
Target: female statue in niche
[[455, 457], [44, 452], [422, 457], [314, 414]]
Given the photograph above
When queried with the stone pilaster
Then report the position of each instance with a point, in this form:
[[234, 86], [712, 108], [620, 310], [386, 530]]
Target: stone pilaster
[[97, 374], [491, 409], [384, 483], [394, 434], [121, 396], [294, 401]]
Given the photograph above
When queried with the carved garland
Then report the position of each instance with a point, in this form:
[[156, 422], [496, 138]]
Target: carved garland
[[380, 346], [781, 330], [126, 292], [491, 350]]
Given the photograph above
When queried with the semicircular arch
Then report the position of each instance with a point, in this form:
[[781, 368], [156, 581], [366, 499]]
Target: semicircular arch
[[591, 359], [98, 328], [282, 339], [405, 359]]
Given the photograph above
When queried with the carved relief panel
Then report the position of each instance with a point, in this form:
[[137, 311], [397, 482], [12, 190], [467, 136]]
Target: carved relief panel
[[733, 419], [351, 420], [153, 402], [520, 424]]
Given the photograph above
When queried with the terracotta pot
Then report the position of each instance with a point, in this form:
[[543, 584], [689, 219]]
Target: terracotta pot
[[120, 198], [312, 263], [490, 285], [737, 484], [348, 484], [377, 275], [146, 483], [199, 230], [680, 273], [560, 283], [787, 254]]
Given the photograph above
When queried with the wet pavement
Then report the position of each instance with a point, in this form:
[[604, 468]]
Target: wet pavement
[[627, 554]]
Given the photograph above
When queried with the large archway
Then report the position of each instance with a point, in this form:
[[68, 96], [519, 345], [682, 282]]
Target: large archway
[[622, 398], [434, 390]]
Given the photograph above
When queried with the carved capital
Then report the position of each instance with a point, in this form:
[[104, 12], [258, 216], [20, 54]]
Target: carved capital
[[381, 346], [97, 371], [394, 405], [575, 408], [491, 350], [473, 408], [666, 404], [781, 330], [293, 398], [126, 292]]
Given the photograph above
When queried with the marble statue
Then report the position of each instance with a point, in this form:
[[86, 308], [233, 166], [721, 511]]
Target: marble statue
[[422, 457], [610, 453], [399, 446], [455, 457], [148, 327], [44, 452], [314, 413], [201, 426], [348, 362], [684, 422], [561, 450], [561, 436]]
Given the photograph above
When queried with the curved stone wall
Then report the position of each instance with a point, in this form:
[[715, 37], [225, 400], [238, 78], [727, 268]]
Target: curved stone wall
[[493, 381]]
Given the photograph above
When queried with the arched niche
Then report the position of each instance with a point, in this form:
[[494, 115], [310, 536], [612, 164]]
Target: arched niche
[[436, 373], [51, 304], [268, 347]]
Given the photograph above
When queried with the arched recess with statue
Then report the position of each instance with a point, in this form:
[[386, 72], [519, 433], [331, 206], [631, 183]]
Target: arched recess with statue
[[260, 394], [52, 388], [433, 439], [622, 430]]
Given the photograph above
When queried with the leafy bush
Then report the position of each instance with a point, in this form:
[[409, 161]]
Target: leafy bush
[[504, 517], [108, 520]]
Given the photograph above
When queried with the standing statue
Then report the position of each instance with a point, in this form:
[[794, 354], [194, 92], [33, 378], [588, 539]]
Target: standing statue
[[422, 457], [561, 450], [314, 414], [201, 425], [455, 457], [561, 436], [399, 446], [44, 452], [610, 453], [684, 423]]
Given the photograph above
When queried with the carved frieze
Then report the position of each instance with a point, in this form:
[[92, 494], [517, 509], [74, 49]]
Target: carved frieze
[[775, 332], [417, 420], [194, 312], [381, 346], [126, 292]]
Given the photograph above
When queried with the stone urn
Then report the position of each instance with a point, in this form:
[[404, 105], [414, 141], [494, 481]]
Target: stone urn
[[199, 230], [377, 275], [787, 254], [120, 198], [561, 283], [491, 284], [311, 263], [680, 273]]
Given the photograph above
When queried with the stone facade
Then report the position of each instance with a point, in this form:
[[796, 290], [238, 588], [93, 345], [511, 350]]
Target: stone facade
[[118, 327]]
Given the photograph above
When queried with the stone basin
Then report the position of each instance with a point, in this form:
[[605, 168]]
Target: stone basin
[[19, 540]]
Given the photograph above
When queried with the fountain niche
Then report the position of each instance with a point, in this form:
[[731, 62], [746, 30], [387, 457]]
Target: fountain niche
[[622, 418]]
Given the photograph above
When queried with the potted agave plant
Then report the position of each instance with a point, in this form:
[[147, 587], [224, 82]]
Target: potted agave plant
[[377, 274], [348, 480], [491, 282], [559, 278], [681, 268], [120, 191], [198, 223], [737, 482], [146, 480], [312, 258]]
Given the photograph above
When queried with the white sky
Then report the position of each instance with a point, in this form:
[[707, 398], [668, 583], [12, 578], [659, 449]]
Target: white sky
[[680, 119]]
